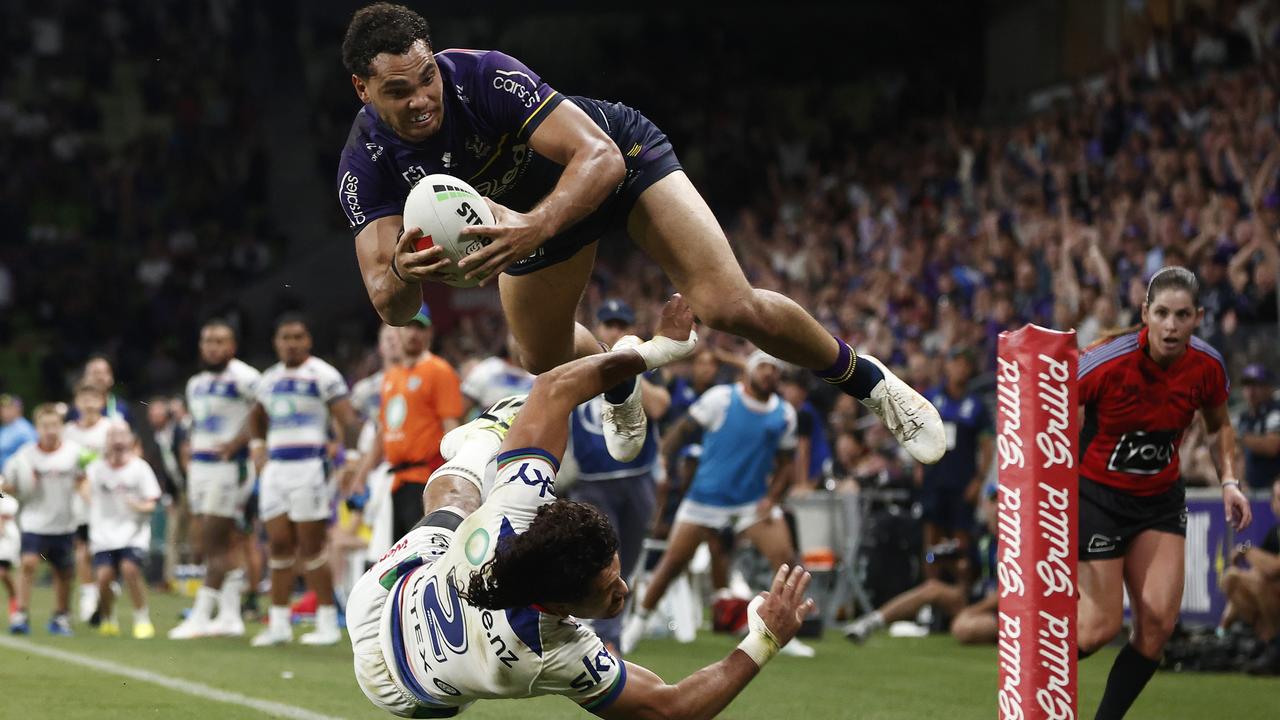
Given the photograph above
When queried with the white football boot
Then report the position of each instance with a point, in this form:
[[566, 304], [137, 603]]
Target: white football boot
[[912, 419], [495, 419], [625, 425]]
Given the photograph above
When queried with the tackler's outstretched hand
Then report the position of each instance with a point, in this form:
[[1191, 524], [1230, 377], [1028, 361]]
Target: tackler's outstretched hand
[[677, 320], [674, 339]]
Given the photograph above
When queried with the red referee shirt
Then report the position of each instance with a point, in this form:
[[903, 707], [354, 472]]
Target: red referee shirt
[[1136, 411]]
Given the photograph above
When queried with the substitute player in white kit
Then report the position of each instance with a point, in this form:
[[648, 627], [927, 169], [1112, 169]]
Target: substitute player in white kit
[[88, 429], [44, 476], [478, 601], [123, 492], [220, 398], [295, 399]]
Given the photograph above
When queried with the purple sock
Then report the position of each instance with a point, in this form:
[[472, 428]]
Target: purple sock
[[853, 377]]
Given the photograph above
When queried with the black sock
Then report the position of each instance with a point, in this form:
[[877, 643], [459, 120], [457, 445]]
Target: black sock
[[1129, 675], [619, 393], [855, 378]]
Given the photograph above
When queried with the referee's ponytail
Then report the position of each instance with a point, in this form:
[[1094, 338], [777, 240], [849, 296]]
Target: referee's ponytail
[[1174, 278]]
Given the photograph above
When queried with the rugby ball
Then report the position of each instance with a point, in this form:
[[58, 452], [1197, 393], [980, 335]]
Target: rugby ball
[[442, 205]]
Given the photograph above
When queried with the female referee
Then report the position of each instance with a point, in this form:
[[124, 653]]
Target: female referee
[[1139, 392]]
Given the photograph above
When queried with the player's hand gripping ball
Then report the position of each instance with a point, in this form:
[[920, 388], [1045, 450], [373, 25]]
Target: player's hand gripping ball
[[441, 206]]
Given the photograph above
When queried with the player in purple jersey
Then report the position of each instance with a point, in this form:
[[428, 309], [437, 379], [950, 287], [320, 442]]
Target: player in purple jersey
[[558, 172]]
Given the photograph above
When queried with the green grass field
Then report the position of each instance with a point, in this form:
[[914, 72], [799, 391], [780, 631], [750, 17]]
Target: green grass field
[[886, 679]]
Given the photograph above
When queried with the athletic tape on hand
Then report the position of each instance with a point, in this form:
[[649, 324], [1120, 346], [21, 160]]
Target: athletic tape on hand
[[760, 644], [660, 350]]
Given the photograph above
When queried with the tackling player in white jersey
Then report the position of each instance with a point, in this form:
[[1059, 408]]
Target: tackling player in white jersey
[[478, 600], [297, 397], [220, 397], [123, 492], [44, 476]]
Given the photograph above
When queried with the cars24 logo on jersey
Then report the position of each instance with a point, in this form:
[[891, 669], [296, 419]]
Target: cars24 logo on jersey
[[1143, 453]]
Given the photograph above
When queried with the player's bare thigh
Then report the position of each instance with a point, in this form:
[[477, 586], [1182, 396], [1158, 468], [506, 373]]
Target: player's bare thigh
[[771, 537], [1154, 569], [1101, 609], [672, 223], [540, 309]]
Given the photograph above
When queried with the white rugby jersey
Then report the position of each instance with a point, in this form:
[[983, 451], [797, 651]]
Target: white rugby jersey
[[45, 484], [366, 395], [493, 379], [92, 438], [10, 535], [448, 652], [297, 403], [113, 524], [220, 403]]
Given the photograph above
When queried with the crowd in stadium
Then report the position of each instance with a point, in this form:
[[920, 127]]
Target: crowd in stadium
[[919, 245]]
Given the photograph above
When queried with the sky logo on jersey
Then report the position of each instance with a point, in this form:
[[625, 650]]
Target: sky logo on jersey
[[1143, 453], [447, 192]]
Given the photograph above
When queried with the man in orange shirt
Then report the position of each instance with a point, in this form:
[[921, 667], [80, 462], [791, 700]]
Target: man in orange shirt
[[421, 401]]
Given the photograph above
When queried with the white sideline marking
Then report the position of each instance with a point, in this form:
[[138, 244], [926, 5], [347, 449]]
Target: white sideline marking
[[199, 690]]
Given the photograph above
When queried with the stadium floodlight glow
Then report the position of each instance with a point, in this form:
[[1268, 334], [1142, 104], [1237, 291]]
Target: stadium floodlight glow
[[1036, 505]]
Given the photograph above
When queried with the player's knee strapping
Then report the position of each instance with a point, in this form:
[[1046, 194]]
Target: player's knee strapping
[[459, 470], [280, 563], [315, 563]]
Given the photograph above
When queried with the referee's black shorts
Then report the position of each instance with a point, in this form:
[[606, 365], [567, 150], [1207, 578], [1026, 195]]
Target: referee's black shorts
[[1110, 519]]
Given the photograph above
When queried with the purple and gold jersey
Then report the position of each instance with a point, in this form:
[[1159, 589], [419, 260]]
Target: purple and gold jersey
[[492, 103]]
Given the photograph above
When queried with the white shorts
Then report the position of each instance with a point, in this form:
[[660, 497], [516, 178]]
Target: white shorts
[[368, 613], [298, 488], [735, 517], [218, 489], [10, 542]]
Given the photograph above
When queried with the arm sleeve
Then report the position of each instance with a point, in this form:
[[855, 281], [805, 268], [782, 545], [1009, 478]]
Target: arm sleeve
[[709, 410], [525, 482], [364, 191], [148, 484], [580, 667], [1219, 386], [511, 97], [332, 386], [790, 436]]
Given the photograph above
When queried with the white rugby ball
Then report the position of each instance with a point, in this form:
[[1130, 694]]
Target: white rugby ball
[[442, 205]]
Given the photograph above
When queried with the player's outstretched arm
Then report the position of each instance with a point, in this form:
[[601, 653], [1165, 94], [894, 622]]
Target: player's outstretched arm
[[774, 618], [544, 421]]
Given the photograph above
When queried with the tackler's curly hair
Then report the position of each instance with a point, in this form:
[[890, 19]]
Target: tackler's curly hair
[[555, 560], [381, 28]]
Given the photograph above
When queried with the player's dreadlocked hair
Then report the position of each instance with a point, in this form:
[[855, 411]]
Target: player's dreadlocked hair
[[555, 560], [381, 28]]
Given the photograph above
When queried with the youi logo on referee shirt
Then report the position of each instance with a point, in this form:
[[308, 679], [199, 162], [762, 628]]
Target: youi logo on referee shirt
[[1142, 452]]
